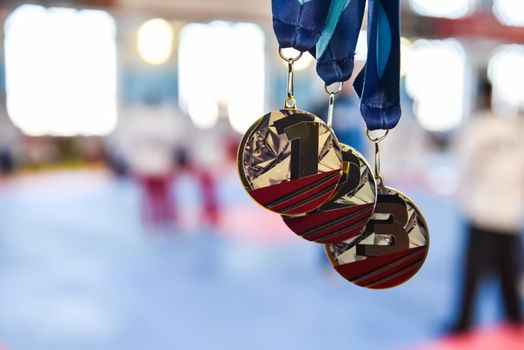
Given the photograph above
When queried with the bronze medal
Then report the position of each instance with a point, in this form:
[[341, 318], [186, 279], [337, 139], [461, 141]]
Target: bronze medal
[[392, 248]]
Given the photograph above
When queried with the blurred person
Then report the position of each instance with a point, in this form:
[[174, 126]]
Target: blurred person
[[114, 156], [6, 161], [206, 182], [491, 152], [147, 137], [159, 144], [8, 139], [204, 154]]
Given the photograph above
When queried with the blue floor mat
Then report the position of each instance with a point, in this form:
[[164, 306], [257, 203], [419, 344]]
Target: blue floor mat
[[78, 270]]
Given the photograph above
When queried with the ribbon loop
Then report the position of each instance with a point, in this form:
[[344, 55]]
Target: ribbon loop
[[335, 49], [299, 23], [378, 84]]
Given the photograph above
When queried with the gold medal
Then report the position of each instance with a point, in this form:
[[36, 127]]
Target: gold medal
[[289, 161], [393, 246], [390, 251]]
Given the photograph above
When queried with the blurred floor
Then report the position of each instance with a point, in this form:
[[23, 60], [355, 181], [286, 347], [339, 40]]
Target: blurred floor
[[79, 271]]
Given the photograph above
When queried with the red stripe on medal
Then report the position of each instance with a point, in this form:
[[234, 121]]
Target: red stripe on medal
[[312, 197], [357, 269], [394, 273], [341, 223]]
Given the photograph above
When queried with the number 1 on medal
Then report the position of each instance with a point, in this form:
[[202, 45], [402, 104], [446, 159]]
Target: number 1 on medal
[[304, 149]]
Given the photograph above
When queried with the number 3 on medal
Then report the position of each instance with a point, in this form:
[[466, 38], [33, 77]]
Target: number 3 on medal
[[390, 251], [393, 226]]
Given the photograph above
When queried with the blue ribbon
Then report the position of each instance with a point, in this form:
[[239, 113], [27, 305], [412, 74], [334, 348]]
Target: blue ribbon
[[378, 84], [299, 23], [329, 29], [335, 49]]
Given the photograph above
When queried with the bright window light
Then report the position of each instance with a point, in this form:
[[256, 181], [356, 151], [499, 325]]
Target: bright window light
[[203, 112], [61, 71], [222, 64], [443, 8], [406, 49], [303, 62], [155, 41], [361, 50], [506, 72], [509, 12], [436, 81]]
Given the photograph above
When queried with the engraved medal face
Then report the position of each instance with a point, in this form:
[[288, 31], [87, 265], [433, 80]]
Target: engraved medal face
[[390, 251], [290, 162], [346, 214]]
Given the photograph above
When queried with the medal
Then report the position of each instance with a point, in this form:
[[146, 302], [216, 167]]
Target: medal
[[289, 161], [392, 248], [390, 251], [395, 242], [348, 211], [346, 214]]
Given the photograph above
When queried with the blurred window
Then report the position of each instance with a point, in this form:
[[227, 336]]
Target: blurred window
[[222, 66], [61, 71], [435, 79], [303, 63], [509, 12], [361, 50], [443, 8], [506, 73], [155, 41]]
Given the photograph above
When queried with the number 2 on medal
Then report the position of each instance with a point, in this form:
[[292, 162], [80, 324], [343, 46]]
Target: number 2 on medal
[[304, 148]]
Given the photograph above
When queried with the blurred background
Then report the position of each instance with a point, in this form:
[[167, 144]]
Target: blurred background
[[123, 224]]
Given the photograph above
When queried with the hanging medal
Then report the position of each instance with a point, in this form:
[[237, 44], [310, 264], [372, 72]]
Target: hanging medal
[[395, 242], [289, 160], [392, 248], [346, 214]]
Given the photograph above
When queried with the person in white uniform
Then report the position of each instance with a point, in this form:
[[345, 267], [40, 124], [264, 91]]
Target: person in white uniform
[[491, 156]]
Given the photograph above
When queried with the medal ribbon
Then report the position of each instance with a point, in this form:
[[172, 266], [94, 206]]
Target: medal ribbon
[[330, 29], [378, 82], [335, 49], [299, 23]]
